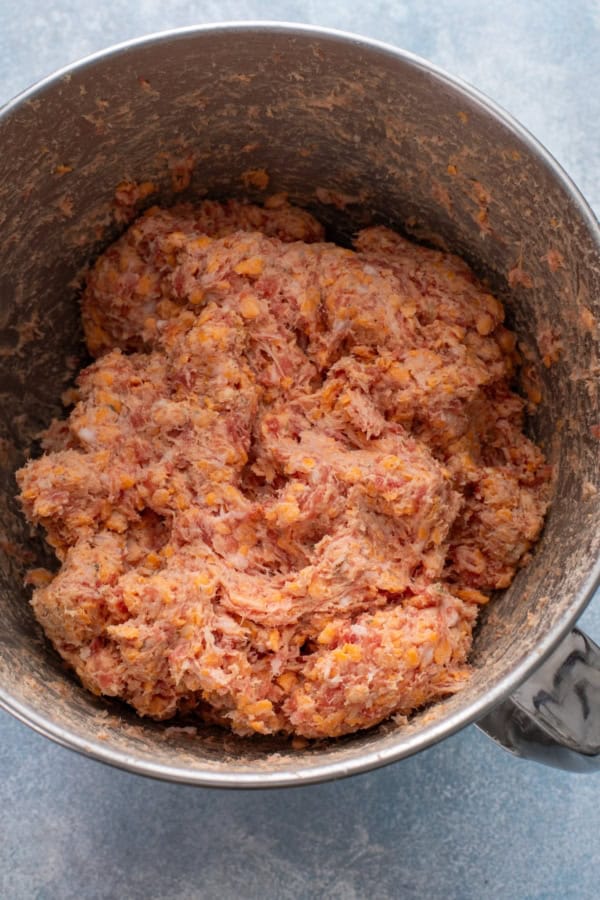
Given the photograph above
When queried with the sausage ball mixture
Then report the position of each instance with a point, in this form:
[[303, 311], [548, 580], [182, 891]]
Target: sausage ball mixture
[[290, 478]]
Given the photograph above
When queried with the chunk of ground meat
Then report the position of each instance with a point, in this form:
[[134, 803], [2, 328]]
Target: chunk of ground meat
[[290, 478]]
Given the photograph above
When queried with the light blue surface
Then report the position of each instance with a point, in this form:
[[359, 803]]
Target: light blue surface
[[462, 820]]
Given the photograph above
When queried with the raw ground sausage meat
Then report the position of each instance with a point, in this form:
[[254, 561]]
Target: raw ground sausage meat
[[290, 478]]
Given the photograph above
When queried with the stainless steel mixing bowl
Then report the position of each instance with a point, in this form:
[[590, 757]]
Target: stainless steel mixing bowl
[[357, 132]]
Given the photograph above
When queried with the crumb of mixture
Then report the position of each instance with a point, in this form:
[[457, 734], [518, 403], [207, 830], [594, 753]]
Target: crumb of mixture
[[550, 345], [257, 178], [555, 260], [339, 199], [587, 319], [127, 196], [518, 276], [181, 169], [65, 206], [291, 477]]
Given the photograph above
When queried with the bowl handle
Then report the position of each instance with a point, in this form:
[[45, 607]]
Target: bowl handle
[[554, 717]]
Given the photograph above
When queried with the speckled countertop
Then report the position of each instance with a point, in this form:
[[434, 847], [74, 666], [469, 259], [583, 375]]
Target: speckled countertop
[[462, 820]]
